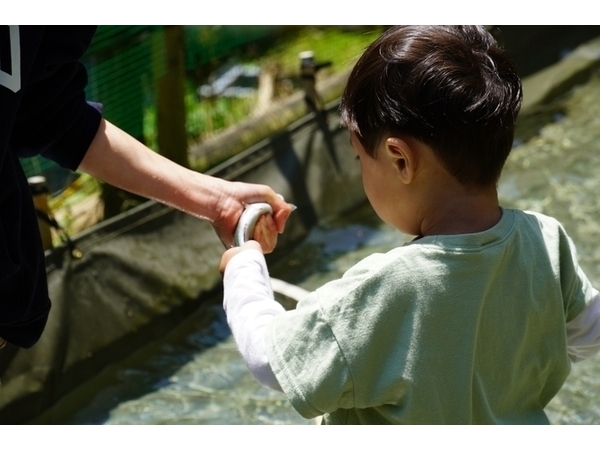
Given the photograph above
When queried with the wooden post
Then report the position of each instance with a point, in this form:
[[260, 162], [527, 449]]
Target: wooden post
[[170, 101]]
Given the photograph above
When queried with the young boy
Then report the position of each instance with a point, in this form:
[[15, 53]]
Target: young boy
[[477, 319]]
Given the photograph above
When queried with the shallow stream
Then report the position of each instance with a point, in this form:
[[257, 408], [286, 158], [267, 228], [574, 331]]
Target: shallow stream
[[195, 376]]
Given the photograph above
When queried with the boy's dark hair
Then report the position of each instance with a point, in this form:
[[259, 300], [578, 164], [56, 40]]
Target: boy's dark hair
[[451, 87]]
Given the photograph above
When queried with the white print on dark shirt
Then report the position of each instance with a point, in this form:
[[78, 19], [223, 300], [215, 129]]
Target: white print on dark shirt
[[12, 80]]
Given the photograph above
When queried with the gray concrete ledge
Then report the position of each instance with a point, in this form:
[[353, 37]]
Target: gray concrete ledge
[[548, 83]]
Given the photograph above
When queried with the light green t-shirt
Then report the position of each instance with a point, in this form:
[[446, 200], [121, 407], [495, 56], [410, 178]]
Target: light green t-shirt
[[454, 329]]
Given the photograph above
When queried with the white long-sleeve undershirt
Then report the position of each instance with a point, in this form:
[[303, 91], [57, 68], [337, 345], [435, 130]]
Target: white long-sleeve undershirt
[[250, 307], [583, 332]]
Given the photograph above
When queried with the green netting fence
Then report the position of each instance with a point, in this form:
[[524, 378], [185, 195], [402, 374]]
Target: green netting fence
[[120, 63]]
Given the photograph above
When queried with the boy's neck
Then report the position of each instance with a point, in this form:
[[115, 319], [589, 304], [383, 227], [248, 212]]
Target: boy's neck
[[461, 211]]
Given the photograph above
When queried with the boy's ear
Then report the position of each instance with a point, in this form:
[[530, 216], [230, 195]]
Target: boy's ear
[[402, 156]]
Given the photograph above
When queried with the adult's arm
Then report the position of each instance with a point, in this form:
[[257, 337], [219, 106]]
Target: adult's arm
[[122, 161]]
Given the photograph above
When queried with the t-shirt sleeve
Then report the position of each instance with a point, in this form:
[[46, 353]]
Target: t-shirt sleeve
[[577, 290], [55, 119], [307, 360]]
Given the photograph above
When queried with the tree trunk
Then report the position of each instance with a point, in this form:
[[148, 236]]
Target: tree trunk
[[170, 99]]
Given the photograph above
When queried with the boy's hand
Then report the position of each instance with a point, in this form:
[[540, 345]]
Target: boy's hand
[[230, 253], [264, 233]]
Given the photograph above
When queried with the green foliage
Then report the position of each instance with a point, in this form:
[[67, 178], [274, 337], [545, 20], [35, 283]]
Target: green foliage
[[339, 45], [207, 116]]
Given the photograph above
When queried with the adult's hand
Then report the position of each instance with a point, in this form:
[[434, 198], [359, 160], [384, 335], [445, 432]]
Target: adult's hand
[[235, 196]]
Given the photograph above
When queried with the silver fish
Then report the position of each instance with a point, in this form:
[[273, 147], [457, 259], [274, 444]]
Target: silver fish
[[247, 222], [248, 219]]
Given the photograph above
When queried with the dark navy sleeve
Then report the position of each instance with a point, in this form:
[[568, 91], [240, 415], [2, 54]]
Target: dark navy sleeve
[[55, 119]]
